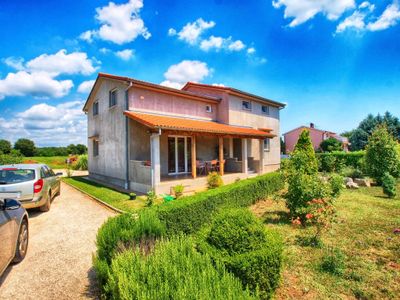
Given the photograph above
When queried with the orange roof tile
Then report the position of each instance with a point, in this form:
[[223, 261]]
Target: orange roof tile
[[182, 124]]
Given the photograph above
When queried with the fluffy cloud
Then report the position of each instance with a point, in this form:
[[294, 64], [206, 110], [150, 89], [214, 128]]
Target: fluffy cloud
[[62, 63], [86, 86], [251, 50], [217, 43], [304, 10], [389, 18], [47, 125], [187, 70], [362, 18], [236, 45], [191, 32], [38, 84], [16, 63], [124, 54], [120, 23]]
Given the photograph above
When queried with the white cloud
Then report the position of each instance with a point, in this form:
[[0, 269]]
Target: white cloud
[[62, 124], [192, 31], [88, 35], [356, 20], [86, 86], [236, 45], [37, 84], [187, 70], [62, 63], [104, 50], [212, 42], [218, 84], [251, 50], [389, 18], [304, 10], [16, 63], [120, 23], [124, 54]]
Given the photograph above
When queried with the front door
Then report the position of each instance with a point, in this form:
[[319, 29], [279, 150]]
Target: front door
[[179, 154]]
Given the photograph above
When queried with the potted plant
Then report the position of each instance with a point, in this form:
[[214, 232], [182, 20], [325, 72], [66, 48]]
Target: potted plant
[[178, 190], [132, 196]]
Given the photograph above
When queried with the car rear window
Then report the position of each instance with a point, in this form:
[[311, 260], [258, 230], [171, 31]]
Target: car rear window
[[10, 175]]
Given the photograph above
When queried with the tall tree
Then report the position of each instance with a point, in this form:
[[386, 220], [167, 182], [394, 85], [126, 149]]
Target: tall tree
[[25, 146], [5, 146]]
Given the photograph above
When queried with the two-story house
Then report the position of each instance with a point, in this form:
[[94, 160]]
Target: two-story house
[[144, 136]]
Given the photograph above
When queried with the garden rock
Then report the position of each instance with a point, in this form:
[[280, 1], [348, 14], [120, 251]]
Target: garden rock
[[347, 180], [351, 185], [362, 182]]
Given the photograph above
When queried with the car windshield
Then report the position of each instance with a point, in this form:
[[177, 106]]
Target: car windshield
[[8, 176]]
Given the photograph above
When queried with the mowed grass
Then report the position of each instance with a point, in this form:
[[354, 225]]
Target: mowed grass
[[54, 162], [110, 196], [364, 232]]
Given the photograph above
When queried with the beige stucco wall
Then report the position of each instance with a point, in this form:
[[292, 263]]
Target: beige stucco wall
[[256, 119], [109, 125]]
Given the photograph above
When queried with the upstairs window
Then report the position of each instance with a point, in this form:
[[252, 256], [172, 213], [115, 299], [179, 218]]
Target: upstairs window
[[209, 108], [266, 145], [113, 97], [95, 148], [246, 105], [265, 109], [96, 108]]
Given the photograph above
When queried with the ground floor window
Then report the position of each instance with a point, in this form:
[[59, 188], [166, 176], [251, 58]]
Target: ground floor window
[[266, 145], [95, 148]]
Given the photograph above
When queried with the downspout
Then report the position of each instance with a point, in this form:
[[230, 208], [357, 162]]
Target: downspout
[[151, 158], [127, 187]]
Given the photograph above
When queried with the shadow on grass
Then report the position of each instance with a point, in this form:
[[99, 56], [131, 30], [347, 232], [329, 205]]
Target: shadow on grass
[[276, 217]]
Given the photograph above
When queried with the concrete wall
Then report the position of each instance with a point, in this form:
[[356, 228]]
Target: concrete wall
[[256, 119], [139, 139], [109, 125], [151, 101]]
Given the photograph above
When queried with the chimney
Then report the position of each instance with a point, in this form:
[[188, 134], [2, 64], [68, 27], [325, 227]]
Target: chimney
[[312, 125]]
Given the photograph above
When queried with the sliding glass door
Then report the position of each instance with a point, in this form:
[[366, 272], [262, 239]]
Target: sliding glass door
[[179, 154]]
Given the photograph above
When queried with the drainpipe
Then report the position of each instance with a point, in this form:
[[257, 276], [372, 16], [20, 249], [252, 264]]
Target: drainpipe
[[153, 181], [127, 137]]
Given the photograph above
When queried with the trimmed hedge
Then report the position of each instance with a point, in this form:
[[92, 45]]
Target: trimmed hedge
[[188, 214], [335, 161], [174, 270], [237, 239]]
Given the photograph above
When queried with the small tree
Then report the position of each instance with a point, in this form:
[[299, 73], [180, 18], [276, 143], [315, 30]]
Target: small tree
[[330, 145], [25, 146], [381, 155], [389, 185], [5, 147]]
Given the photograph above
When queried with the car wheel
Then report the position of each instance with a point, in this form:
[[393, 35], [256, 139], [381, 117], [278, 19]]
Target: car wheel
[[46, 206], [22, 242]]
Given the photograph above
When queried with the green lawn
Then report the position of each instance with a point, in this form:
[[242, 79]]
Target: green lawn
[[54, 162], [364, 232], [113, 197]]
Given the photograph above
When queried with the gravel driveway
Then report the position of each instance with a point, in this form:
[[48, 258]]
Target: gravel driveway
[[58, 264]]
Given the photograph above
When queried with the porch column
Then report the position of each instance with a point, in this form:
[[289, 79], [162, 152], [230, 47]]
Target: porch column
[[230, 147], [221, 155], [244, 156], [155, 160], [193, 151], [261, 171]]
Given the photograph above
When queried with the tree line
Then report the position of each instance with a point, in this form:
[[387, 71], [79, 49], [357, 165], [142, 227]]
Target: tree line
[[27, 147]]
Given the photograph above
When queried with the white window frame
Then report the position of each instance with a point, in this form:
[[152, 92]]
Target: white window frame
[[110, 104], [96, 148], [96, 112], [249, 106], [267, 145], [209, 109], [176, 154], [267, 108]]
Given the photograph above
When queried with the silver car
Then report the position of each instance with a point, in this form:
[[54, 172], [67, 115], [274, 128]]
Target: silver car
[[34, 185], [14, 232]]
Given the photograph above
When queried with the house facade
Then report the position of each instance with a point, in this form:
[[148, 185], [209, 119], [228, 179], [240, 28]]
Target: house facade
[[144, 136], [317, 137]]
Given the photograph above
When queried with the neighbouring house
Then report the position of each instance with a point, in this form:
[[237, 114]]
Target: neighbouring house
[[144, 136], [317, 136]]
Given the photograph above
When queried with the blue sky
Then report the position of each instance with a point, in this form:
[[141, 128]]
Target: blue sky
[[332, 62]]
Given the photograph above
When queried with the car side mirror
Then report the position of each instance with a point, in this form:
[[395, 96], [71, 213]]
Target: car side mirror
[[11, 204], [59, 174]]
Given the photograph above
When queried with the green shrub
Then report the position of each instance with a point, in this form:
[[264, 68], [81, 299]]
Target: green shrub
[[327, 163], [150, 198], [336, 183], [303, 158], [352, 172], [333, 262], [189, 213], [82, 163], [381, 155], [175, 270], [8, 159], [389, 185], [340, 160], [331, 144], [236, 231], [178, 190], [241, 242], [214, 180]]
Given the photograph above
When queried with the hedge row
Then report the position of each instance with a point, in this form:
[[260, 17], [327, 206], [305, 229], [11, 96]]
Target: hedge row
[[188, 214], [335, 161]]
